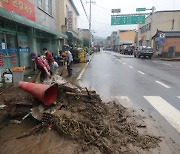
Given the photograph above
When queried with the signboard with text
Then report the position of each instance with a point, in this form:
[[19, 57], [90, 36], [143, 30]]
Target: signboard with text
[[140, 9], [22, 7], [70, 20], [22, 41], [115, 10], [127, 20]]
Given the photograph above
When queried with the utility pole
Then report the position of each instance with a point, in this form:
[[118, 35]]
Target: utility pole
[[90, 38], [152, 22], [90, 35]]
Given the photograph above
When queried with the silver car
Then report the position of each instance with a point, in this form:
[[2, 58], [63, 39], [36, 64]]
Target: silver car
[[143, 51]]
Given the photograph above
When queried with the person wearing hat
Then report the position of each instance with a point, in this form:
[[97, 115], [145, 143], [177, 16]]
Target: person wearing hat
[[44, 67], [49, 58], [69, 60]]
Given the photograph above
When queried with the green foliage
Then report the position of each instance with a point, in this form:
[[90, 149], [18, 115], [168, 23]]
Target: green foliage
[[86, 42]]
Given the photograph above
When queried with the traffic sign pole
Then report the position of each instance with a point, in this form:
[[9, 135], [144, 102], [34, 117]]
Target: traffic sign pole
[[140, 9], [152, 22]]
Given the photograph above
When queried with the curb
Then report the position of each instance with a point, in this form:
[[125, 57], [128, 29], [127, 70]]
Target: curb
[[170, 59], [83, 70]]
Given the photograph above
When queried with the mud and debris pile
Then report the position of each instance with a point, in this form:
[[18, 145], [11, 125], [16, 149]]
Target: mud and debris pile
[[80, 115]]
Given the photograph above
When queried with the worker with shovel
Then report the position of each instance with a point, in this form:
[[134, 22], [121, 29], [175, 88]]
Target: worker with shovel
[[44, 68]]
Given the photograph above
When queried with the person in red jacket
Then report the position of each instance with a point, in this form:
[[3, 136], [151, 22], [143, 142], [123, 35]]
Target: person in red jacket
[[44, 67], [49, 58]]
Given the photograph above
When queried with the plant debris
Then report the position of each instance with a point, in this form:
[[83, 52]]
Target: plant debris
[[81, 115]]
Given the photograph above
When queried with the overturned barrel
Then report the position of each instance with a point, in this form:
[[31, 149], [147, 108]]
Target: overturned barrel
[[44, 93]]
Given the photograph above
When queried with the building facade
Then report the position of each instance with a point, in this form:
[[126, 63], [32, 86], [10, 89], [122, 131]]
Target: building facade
[[163, 21], [124, 38], [67, 20], [167, 43], [26, 27]]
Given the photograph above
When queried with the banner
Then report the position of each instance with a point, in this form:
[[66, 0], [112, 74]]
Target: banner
[[22, 7]]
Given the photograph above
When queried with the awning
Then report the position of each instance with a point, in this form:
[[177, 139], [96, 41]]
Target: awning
[[22, 20], [60, 35], [71, 35], [5, 13]]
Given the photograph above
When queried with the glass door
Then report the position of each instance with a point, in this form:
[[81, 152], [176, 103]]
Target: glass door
[[12, 54]]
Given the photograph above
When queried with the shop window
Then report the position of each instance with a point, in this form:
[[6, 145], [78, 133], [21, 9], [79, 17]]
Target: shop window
[[10, 26], [49, 6], [45, 6], [1, 24], [21, 29], [11, 41], [40, 3], [2, 41]]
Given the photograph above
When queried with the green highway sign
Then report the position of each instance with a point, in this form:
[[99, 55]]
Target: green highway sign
[[128, 20], [140, 9]]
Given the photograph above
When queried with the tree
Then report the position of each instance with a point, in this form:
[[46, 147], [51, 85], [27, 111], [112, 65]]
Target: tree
[[86, 42]]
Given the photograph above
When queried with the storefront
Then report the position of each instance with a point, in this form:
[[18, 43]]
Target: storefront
[[73, 39], [12, 47], [167, 43], [19, 37]]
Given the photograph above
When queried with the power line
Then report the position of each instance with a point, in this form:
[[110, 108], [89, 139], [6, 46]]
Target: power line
[[84, 10], [97, 22], [157, 5], [100, 22], [102, 7]]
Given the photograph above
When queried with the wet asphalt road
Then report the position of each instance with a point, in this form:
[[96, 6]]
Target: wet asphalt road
[[129, 79]]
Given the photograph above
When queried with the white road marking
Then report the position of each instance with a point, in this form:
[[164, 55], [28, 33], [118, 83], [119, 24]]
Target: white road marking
[[126, 98], [83, 70], [123, 100], [178, 97], [124, 63], [141, 72], [162, 84], [131, 67], [154, 61], [119, 61], [167, 64], [170, 113]]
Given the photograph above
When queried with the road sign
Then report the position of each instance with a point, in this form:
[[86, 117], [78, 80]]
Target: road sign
[[116, 10], [140, 9], [127, 20]]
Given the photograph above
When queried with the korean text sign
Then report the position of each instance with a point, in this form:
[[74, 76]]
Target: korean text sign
[[22, 7]]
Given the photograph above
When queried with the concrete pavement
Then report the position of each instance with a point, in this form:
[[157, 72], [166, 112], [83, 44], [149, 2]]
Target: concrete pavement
[[77, 73]]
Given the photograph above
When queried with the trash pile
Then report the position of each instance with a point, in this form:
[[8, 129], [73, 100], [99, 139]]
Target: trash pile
[[80, 115]]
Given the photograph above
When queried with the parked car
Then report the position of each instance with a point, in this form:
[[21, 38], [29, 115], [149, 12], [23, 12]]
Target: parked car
[[107, 49], [128, 50], [143, 51]]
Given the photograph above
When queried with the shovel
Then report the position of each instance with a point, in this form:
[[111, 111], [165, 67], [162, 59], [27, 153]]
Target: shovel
[[36, 76], [19, 121]]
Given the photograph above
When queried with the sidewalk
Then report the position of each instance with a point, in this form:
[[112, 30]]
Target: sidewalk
[[77, 69], [77, 72]]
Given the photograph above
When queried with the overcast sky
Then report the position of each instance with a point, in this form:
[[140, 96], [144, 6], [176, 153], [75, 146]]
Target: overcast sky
[[101, 12]]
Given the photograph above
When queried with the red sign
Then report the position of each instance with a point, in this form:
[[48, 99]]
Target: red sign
[[13, 53], [22, 7], [14, 60], [1, 62], [1, 55], [69, 20]]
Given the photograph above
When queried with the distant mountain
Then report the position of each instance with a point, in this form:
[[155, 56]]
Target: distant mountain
[[98, 39]]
